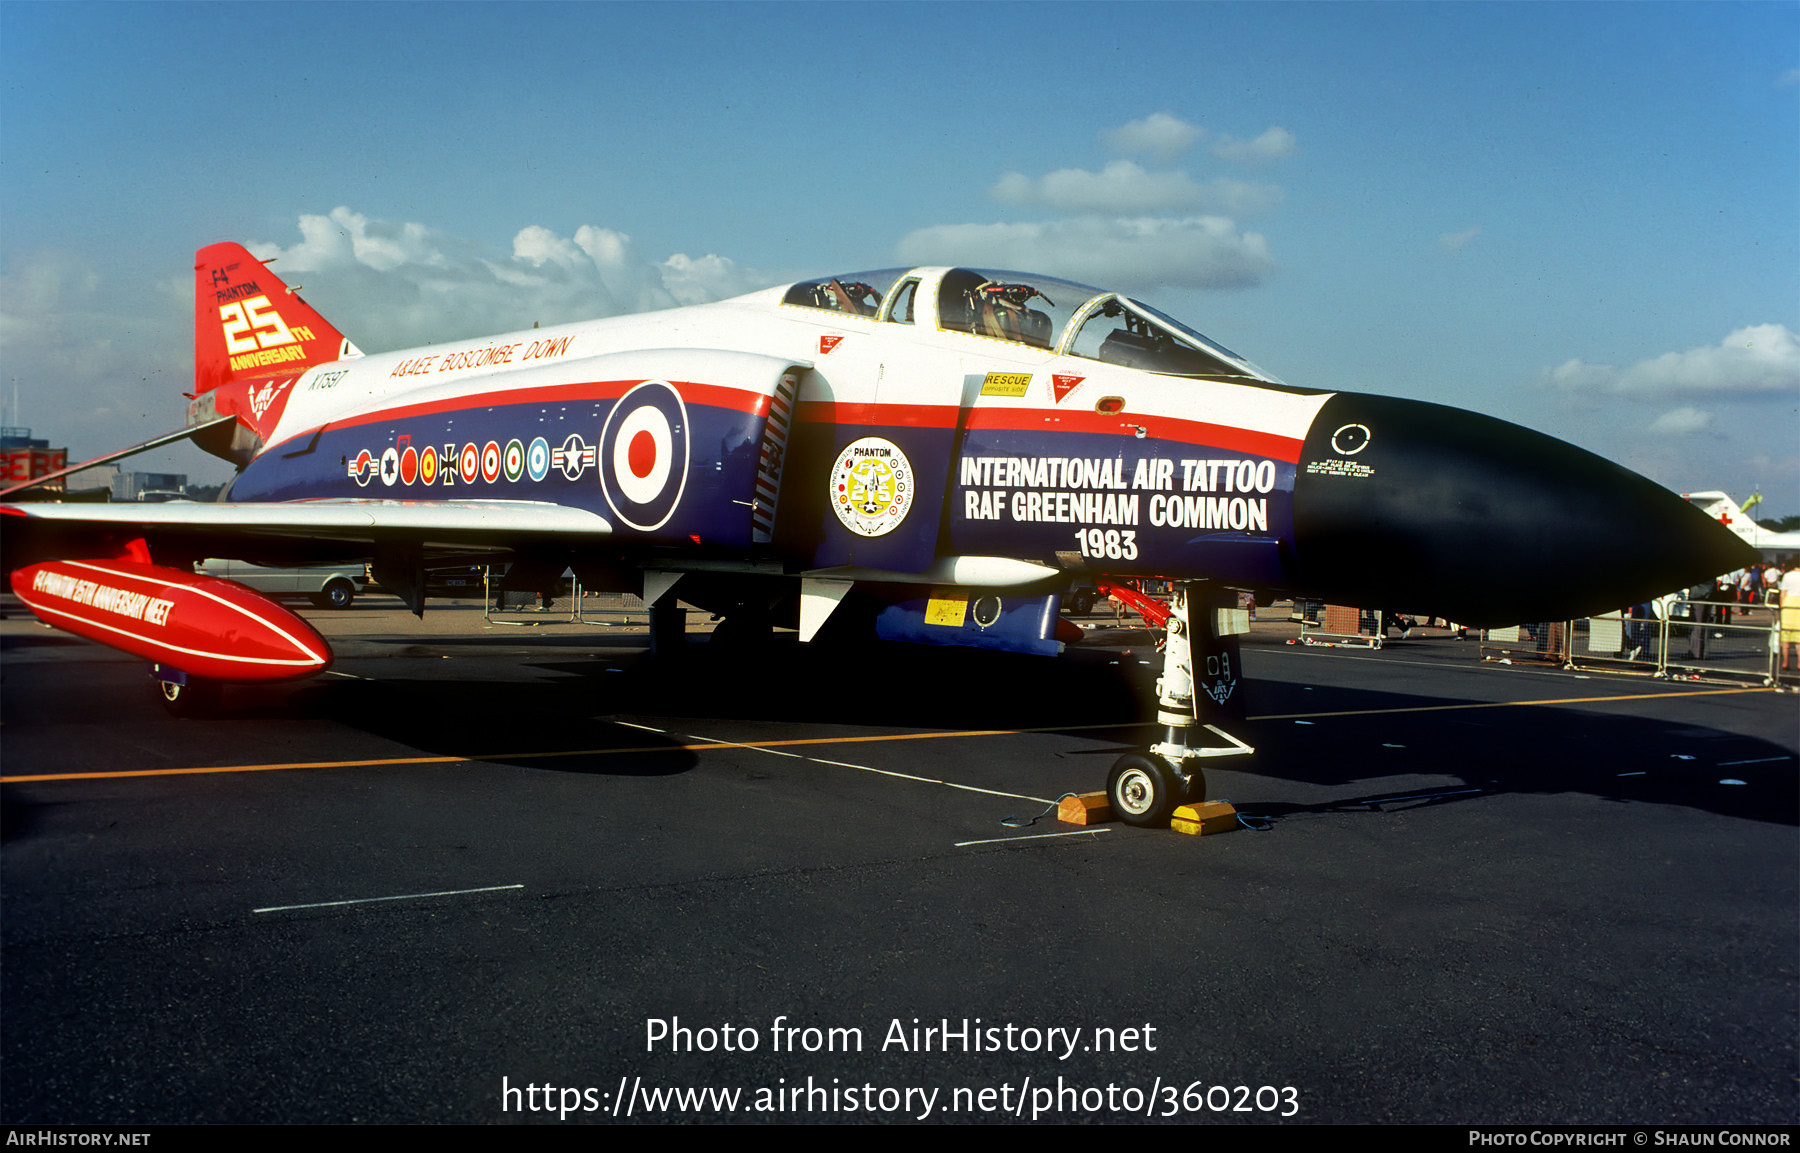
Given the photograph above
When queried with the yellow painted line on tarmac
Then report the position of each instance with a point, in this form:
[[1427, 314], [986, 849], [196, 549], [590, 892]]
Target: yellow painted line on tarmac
[[451, 759], [708, 746], [1510, 704]]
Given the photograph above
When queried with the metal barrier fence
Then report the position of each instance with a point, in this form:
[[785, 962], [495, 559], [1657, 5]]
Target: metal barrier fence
[[597, 608], [1695, 640], [528, 606], [1537, 642], [569, 603], [1339, 626]]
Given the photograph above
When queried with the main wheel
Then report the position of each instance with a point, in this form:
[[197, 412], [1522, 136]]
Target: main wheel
[[337, 595], [197, 698], [1142, 790]]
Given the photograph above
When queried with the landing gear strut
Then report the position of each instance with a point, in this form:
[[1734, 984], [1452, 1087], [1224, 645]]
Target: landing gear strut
[[1200, 679]]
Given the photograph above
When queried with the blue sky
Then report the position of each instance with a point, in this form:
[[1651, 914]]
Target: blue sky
[[1584, 218]]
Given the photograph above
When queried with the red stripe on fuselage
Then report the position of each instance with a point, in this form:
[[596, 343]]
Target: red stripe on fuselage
[[1196, 432], [877, 415], [712, 395]]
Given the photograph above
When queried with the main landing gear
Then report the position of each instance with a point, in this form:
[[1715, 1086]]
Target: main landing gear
[[1200, 679]]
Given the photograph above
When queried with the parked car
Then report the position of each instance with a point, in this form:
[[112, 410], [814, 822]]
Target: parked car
[[462, 581], [328, 586]]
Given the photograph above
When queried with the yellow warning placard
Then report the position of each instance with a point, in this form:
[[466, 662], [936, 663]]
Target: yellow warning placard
[[1005, 383], [946, 607]]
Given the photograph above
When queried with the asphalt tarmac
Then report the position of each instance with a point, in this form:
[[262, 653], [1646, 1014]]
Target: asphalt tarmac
[[487, 873]]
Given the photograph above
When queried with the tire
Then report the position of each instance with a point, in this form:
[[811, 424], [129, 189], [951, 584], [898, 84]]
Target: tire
[[1142, 791], [337, 595], [1080, 603], [197, 698]]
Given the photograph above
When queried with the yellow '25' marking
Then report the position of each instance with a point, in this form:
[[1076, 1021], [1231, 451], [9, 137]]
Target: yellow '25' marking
[[253, 324]]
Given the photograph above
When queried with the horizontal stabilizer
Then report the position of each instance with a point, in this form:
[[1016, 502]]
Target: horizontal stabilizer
[[156, 442]]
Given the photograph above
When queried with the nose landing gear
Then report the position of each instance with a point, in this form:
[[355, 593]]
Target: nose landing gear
[[1200, 679]]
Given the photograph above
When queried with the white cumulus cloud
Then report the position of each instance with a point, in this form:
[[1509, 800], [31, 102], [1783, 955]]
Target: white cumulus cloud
[[1275, 144], [1681, 421], [1457, 241], [92, 358], [101, 361], [1159, 133], [1760, 360], [394, 285], [1136, 252], [1125, 187]]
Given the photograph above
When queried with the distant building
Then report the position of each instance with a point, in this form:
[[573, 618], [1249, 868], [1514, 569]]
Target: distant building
[[99, 478], [125, 486], [24, 458]]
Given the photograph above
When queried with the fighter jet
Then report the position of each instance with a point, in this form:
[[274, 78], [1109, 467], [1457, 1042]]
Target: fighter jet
[[936, 454]]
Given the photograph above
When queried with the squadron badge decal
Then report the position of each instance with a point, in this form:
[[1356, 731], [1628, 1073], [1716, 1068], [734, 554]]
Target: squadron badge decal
[[872, 486]]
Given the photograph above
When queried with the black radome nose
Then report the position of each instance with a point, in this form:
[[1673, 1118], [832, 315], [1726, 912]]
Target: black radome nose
[[1413, 506]]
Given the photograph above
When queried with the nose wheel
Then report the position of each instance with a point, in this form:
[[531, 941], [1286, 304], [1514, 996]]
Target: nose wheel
[[1200, 678], [1145, 790]]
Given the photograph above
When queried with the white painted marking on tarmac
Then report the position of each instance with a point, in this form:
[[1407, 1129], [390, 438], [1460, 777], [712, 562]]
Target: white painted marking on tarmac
[[1031, 837], [861, 768], [840, 764], [373, 900], [932, 781]]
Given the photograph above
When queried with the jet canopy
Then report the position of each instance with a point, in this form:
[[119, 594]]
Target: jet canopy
[[1043, 312]]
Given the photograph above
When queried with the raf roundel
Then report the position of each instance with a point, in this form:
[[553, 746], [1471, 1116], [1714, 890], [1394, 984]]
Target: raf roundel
[[643, 455], [871, 486]]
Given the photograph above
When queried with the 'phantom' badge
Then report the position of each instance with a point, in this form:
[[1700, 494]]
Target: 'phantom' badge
[[872, 486]]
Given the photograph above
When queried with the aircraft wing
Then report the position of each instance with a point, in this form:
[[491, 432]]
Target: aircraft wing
[[343, 520], [322, 530]]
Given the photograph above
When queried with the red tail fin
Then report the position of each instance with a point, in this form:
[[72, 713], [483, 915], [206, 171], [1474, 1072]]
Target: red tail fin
[[250, 326]]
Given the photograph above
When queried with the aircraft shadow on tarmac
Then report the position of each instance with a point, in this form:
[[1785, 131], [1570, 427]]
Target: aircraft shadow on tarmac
[[1523, 749]]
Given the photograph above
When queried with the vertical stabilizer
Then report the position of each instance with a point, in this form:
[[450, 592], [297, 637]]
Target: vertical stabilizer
[[249, 326]]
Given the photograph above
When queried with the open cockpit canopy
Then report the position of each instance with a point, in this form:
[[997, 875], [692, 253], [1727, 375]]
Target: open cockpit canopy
[[1042, 312]]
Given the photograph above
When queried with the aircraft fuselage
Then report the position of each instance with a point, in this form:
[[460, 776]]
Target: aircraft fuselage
[[940, 418]]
